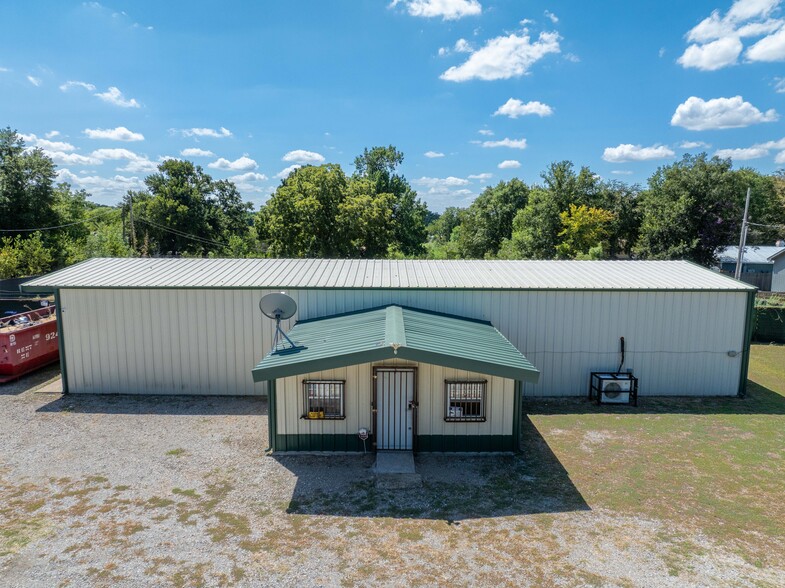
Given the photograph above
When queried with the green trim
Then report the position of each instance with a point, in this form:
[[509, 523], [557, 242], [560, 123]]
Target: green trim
[[428, 443], [465, 443], [61, 343], [516, 415], [468, 364], [745, 352], [309, 442], [272, 415], [394, 330]]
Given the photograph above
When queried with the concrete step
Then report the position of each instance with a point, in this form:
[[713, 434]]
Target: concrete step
[[395, 469]]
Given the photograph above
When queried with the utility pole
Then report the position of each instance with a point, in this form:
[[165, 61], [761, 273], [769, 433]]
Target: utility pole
[[131, 217], [743, 241]]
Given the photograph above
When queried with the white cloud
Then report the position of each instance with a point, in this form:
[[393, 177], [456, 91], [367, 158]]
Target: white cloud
[[70, 84], [54, 145], [116, 153], [509, 164], [284, 173], [196, 152], [622, 172], [694, 145], [515, 108], [486, 132], [442, 192], [248, 182], [481, 177], [116, 134], [716, 41], [779, 85], [114, 96], [526, 22], [511, 143], [553, 18], [712, 56], [660, 53], [63, 158], [697, 114], [243, 163], [4, 70], [504, 57], [52, 134], [35, 81], [303, 156], [780, 157], [628, 152], [447, 9], [433, 154], [448, 182], [34, 141], [572, 58], [103, 190], [771, 48], [203, 132], [443, 51], [463, 46], [742, 154], [135, 163]]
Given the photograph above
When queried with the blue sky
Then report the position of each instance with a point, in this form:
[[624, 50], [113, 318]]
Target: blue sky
[[472, 91]]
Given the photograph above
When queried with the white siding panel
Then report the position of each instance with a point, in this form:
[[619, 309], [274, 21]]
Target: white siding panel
[[161, 341]]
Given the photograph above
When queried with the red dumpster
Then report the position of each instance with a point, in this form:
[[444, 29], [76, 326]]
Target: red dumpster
[[28, 341]]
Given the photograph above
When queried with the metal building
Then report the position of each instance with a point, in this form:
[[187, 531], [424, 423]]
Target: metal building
[[192, 326]]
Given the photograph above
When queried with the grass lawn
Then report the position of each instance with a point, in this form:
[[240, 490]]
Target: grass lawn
[[712, 466]]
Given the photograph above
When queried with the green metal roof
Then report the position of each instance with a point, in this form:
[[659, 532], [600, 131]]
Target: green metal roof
[[397, 332]]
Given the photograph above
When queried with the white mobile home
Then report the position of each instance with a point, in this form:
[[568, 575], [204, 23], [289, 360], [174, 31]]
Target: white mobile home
[[450, 346]]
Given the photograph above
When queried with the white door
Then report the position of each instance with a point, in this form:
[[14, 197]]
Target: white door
[[395, 406]]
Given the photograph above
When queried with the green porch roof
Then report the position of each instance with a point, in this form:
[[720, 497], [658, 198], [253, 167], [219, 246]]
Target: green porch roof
[[397, 332]]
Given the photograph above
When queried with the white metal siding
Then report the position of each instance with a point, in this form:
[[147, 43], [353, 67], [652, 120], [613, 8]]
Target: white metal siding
[[358, 394], [206, 341]]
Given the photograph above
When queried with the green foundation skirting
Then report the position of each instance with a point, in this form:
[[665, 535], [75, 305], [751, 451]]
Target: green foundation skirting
[[433, 443]]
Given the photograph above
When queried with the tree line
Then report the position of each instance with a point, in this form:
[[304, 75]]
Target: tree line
[[686, 211]]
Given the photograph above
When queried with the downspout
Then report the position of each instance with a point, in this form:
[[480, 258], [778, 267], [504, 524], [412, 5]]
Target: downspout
[[745, 352]]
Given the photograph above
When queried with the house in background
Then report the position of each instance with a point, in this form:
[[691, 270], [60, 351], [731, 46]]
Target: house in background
[[762, 266]]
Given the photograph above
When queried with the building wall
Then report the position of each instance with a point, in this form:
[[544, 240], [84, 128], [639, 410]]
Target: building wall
[[296, 433], [206, 341], [778, 275]]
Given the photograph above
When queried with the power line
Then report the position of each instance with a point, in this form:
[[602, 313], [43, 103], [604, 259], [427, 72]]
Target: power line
[[87, 220], [180, 233]]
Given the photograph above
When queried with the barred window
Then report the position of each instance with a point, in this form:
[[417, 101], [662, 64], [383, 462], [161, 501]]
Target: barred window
[[324, 399], [465, 400]]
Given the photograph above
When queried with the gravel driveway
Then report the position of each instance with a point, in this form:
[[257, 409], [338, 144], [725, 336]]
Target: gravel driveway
[[151, 491]]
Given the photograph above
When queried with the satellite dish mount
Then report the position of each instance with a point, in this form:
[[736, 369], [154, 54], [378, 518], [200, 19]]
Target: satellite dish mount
[[279, 306]]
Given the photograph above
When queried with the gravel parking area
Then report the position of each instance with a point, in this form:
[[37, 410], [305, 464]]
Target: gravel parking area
[[152, 491]]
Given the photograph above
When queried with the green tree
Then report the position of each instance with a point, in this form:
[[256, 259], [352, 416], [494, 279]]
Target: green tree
[[378, 165], [27, 198], [690, 209], [24, 256], [535, 228], [583, 228], [300, 217], [489, 219], [365, 219]]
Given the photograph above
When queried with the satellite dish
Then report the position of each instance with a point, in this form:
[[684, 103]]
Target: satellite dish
[[279, 306]]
